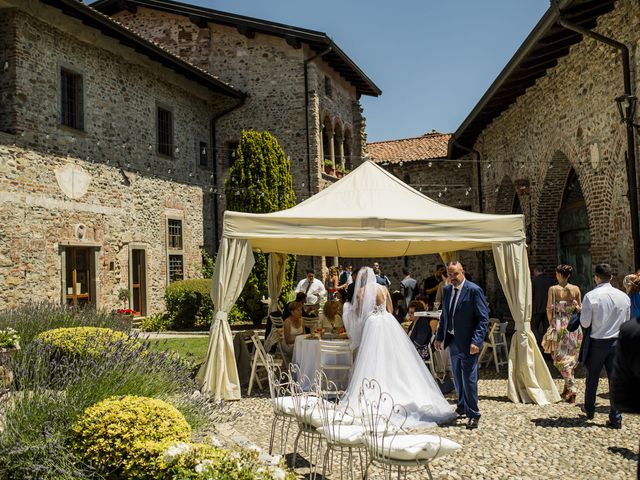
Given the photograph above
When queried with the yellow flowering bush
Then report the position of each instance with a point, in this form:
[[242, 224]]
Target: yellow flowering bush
[[111, 434], [90, 341]]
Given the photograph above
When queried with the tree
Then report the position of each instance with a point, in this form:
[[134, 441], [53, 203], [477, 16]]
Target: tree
[[260, 182]]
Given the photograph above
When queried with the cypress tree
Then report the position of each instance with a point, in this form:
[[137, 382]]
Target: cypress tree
[[260, 182]]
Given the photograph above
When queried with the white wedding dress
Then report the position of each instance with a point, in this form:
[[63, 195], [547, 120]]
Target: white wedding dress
[[386, 354]]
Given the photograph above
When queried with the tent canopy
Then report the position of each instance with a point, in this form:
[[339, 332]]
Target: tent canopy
[[370, 213]]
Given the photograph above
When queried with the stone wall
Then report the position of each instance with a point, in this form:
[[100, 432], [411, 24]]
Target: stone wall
[[7, 70], [271, 72], [568, 120], [131, 189]]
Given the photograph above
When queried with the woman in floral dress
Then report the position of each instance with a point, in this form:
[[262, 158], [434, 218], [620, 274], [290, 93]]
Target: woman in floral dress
[[564, 299]]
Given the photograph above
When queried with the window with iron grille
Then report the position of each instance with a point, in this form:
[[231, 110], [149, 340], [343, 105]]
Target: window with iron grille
[[175, 234], [176, 272], [204, 158], [165, 132], [71, 104]]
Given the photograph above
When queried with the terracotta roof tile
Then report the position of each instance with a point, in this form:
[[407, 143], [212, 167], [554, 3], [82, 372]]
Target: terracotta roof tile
[[430, 145]]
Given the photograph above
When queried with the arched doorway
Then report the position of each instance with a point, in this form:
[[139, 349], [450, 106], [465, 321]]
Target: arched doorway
[[574, 236]]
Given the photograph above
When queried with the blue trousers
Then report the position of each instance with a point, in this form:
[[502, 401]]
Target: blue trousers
[[601, 354], [464, 367]]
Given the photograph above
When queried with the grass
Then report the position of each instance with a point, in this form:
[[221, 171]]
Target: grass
[[193, 349]]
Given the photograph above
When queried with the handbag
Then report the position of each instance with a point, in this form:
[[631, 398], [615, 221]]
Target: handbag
[[550, 338]]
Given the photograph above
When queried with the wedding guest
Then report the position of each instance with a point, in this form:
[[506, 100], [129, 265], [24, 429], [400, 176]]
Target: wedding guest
[[381, 279], [420, 331], [540, 284], [346, 277], [431, 283], [300, 297], [331, 316], [293, 327], [332, 283], [443, 283], [562, 300], [632, 286], [604, 310], [399, 310], [408, 286], [352, 285], [312, 287]]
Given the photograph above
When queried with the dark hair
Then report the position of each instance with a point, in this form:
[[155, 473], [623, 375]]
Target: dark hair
[[440, 266], [310, 271], [406, 271], [301, 297], [603, 271], [294, 305], [417, 306], [539, 267], [564, 270], [396, 297]]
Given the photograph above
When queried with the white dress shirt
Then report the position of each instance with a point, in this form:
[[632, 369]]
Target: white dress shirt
[[314, 292], [605, 309], [453, 310]]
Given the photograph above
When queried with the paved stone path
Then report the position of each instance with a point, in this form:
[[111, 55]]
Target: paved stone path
[[514, 441]]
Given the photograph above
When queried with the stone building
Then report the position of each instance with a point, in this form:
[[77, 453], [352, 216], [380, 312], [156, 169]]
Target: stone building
[[422, 163], [551, 144], [300, 85], [105, 159]]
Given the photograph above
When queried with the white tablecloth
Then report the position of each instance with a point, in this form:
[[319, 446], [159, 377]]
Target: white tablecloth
[[306, 354]]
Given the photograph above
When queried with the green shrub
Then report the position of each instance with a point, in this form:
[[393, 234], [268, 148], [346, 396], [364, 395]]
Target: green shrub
[[109, 432], [189, 304], [159, 322], [34, 318], [81, 341]]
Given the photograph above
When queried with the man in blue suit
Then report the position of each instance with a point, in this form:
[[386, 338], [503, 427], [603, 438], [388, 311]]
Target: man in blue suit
[[462, 327]]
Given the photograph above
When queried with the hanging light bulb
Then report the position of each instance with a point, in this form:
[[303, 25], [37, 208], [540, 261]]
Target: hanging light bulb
[[459, 165], [496, 190], [489, 166], [429, 164], [177, 150], [439, 194], [204, 150], [445, 189]]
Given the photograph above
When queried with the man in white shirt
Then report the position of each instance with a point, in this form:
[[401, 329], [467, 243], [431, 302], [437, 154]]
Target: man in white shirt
[[312, 287], [604, 309]]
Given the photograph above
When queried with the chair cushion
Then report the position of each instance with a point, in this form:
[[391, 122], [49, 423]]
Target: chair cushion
[[284, 405], [345, 435], [415, 447]]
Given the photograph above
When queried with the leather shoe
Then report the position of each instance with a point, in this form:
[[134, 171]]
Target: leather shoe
[[589, 415], [472, 424], [615, 425], [460, 411]]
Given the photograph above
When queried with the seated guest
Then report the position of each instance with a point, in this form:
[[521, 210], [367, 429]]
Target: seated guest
[[420, 331], [330, 316], [399, 309], [293, 327], [300, 297]]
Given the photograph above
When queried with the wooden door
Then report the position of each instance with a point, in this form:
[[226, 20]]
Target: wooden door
[[138, 283], [78, 276]]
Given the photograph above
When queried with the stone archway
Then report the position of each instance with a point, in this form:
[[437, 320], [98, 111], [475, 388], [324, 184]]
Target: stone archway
[[561, 229]]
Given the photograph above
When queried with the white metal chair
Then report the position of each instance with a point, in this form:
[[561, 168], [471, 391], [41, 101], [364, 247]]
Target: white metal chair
[[388, 446], [341, 430], [275, 337], [281, 403], [311, 322], [336, 357], [258, 361], [307, 415], [497, 342]]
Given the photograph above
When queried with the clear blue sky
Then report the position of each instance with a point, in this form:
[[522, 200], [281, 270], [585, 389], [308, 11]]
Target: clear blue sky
[[433, 59]]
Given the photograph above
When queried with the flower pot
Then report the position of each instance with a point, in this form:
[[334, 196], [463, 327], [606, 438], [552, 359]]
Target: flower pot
[[330, 171]]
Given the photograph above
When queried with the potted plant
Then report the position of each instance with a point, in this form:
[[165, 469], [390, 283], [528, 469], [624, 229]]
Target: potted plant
[[329, 167], [124, 296], [9, 345], [339, 171], [126, 314]]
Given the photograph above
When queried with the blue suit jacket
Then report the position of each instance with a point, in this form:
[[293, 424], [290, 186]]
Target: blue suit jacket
[[470, 319]]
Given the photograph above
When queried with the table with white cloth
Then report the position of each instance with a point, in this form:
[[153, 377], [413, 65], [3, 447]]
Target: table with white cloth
[[306, 354]]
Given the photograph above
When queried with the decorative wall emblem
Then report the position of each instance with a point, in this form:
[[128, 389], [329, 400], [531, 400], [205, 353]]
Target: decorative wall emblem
[[73, 180]]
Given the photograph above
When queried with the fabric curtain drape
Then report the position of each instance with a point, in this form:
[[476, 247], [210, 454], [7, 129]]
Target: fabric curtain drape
[[218, 376], [448, 256], [529, 377], [275, 279]]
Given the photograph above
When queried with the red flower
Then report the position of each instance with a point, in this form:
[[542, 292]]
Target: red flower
[[126, 311]]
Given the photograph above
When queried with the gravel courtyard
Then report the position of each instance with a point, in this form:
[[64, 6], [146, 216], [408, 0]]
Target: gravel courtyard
[[514, 441]]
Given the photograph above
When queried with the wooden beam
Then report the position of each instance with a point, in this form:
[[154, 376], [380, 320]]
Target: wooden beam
[[128, 6], [246, 31], [198, 21], [293, 41]]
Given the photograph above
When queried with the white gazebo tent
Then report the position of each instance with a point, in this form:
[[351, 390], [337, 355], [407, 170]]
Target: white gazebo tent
[[372, 214]]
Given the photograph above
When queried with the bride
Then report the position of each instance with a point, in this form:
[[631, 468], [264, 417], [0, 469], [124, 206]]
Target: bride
[[386, 354]]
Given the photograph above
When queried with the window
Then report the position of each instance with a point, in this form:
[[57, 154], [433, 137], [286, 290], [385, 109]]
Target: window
[[328, 87], [203, 154], [232, 148], [165, 132], [78, 276], [175, 234], [175, 268], [175, 257], [71, 106]]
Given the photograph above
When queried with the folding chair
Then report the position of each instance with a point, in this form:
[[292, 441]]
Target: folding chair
[[336, 357], [259, 360], [497, 340]]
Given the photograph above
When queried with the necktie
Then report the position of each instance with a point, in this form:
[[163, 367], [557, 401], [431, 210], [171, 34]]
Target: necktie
[[452, 308], [308, 287]]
